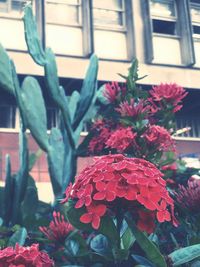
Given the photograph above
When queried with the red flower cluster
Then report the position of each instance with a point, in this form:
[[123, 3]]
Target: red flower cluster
[[158, 136], [189, 197], [114, 180], [168, 93], [113, 91], [58, 228], [121, 139], [24, 257], [133, 109]]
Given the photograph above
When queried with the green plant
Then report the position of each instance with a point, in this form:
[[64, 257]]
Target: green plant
[[61, 145]]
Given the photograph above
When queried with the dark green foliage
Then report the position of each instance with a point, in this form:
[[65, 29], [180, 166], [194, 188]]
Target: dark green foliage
[[56, 160], [150, 249], [184, 255], [18, 237]]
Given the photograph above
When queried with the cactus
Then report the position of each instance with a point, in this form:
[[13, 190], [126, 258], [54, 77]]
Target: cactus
[[61, 145]]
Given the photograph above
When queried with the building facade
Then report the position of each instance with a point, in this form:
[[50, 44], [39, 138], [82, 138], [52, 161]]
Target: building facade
[[164, 35]]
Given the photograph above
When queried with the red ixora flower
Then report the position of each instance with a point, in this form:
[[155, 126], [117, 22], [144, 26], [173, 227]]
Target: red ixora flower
[[121, 139], [170, 93], [159, 137], [101, 130], [189, 197], [113, 91], [58, 228], [132, 109], [24, 257], [117, 182]]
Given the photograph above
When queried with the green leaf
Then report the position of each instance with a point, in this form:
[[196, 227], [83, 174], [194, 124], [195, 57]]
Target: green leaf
[[33, 158], [100, 244], [30, 200], [34, 108], [18, 97], [100, 95], [57, 93], [21, 178], [6, 81], [8, 192], [56, 160], [87, 91], [18, 237], [32, 38], [152, 252], [127, 239], [71, 247], [184, 255], [141, 260], [72, 103]]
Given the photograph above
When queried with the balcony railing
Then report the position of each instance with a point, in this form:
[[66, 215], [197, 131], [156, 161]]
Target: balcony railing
[[188, 126]]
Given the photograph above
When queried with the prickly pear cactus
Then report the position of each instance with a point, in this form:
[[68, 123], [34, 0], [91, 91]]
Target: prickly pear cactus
[[62, 142]]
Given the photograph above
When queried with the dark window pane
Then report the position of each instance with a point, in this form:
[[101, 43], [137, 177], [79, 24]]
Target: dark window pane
[[164, 27], [7, 116], [195, 1], [196, 29], [18, 5]]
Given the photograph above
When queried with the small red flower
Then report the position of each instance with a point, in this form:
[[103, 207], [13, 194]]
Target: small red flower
[[58, 228], [24, 256], [133, 109], [189, 197], [84, 196], [93, 215], [121, 139], [98, 143], [159, 137], [113, 91], [168, 94], [105, 191]]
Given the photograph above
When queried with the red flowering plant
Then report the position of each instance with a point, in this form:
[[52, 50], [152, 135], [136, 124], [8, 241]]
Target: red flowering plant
[[24, 257], [58, 228], [115, 189], [134, 121]]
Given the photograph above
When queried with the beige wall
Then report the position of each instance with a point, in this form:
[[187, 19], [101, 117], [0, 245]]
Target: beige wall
[[108, 70]]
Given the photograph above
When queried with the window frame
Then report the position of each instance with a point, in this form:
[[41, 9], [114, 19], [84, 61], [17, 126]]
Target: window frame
[[129, 31], [185, 30]]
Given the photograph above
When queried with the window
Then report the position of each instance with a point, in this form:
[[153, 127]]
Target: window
[[64, 21], [164, 17], [12, 29], [168, 32], [112, 29], [83, 26], [195, 19], [9, 6], [7, 116]]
